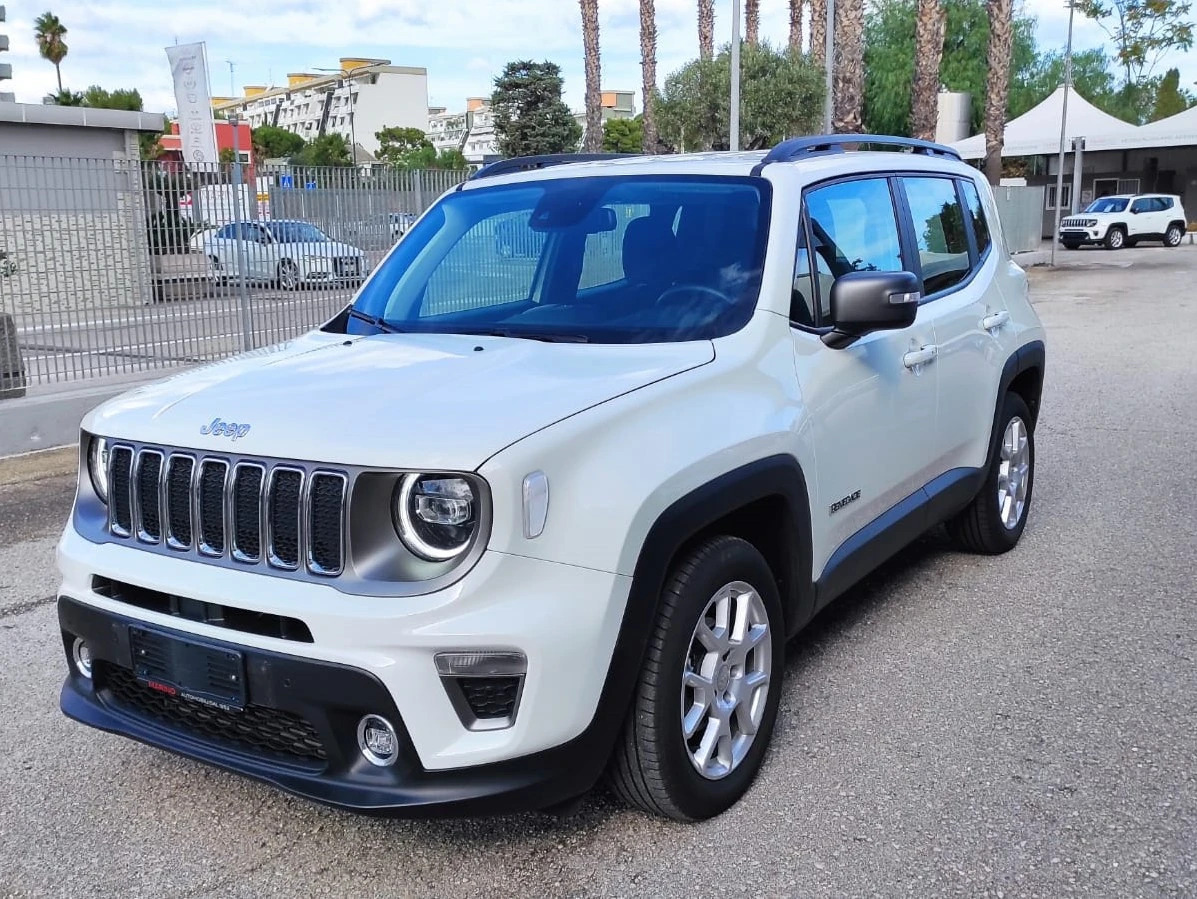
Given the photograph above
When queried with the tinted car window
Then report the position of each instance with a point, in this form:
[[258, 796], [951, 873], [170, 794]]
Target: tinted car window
[[855, 229], [613, 259], [972, 200], [1141, 206], [938, 232]]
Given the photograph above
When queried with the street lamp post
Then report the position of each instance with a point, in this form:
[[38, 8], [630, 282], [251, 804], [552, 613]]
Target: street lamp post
[[1063, 131], [733, 140], [247, 322], [347, 77]]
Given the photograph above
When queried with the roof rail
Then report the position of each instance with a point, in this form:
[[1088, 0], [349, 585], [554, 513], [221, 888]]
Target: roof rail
[[529, 163], [821, 144]]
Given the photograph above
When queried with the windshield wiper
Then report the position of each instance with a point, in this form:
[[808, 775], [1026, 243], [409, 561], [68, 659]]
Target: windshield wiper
[[376, 321], [546, 336]]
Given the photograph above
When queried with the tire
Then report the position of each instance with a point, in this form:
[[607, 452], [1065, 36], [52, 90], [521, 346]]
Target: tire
[[653, 767], [1173, 236], [288, 275], [1115, 239], [993, 522]]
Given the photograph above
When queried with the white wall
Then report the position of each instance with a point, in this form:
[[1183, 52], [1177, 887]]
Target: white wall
[[399, 99]]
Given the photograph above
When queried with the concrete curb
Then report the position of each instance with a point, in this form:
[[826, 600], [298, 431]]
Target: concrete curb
[[1033, 257], [51, 419]]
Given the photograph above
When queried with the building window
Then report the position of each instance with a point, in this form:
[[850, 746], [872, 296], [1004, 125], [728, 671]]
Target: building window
[[1050, 197]]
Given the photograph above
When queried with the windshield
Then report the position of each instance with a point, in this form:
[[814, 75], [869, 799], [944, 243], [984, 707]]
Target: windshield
[[628, 259], [295, 232], [1107, 204]]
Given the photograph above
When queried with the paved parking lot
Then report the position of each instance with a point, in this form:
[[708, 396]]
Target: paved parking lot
[[958, 726]]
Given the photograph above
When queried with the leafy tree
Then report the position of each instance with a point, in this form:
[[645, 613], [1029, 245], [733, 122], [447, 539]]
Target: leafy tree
[[395, 144], [1142, 31], [49, 32], [623, 135], [121, 98], [781, 96], [64, 97], [329, 150], [530, 116], [270, 142], [227, 156], [889, 61], [1169, 98]]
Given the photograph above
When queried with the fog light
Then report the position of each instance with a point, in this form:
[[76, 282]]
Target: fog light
[[81, 655], [377, 740]]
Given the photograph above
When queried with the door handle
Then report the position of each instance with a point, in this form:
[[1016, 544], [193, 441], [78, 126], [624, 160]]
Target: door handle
[[995, 321], [922, 356]]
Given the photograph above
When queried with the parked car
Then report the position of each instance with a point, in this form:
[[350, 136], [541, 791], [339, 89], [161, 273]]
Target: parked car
[[285, 252], [1125, 220], [498, 528]]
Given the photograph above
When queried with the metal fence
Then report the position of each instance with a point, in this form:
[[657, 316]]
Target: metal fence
[[111, 266]]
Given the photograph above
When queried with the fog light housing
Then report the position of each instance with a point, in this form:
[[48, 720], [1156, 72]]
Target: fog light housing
[[378, 741], [81, 656], [484, 687]]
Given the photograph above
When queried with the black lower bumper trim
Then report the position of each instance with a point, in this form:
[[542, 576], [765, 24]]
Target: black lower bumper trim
[[332, 698]]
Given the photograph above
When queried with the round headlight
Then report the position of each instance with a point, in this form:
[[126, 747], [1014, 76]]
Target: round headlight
[[436, 516], [97, 466]]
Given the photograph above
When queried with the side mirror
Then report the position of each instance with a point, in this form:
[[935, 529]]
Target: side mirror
[[863, 302]]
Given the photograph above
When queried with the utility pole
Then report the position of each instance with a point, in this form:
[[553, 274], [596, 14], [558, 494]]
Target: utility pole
[[829, 76], [733, 140], [1063, 131]]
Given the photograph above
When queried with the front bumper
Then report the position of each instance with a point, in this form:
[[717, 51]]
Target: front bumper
[[1081, 235], [375, 655], [331, 699]]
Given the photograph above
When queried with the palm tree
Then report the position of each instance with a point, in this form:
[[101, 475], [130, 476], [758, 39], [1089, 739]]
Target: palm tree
[[848, 82], [648, 69], [796, 25], [752, 22], [818, 33], [594, 91], [928, 50], [706, 29], [49, 33], [997, 85]]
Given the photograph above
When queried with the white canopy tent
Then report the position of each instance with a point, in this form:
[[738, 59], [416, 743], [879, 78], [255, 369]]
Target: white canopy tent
[[1179, 130], [1037, 131]]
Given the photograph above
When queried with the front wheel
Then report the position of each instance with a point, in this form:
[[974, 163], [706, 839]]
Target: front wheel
[[993, 522], [1115, 239], [1173, 236], [707, 696]]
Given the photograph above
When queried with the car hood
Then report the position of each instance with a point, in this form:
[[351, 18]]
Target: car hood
[[425, 401]]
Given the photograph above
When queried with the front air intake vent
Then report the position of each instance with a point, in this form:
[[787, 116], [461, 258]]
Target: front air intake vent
[[149, 502], [282, 513], [247, 512]]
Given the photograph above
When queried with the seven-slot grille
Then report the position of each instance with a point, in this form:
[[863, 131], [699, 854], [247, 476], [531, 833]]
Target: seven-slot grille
[[1073, 223], [257, 513]]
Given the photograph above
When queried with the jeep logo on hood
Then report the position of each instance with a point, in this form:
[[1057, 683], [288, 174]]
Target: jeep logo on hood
[[221, 428]]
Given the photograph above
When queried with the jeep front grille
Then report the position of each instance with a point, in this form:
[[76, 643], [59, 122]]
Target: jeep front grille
[[254, 512]]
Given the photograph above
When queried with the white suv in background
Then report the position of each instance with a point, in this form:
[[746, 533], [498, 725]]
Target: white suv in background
[[511, 521], [1123, 221]]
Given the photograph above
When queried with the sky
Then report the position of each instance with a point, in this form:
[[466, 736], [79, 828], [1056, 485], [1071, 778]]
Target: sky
[[462, 43]]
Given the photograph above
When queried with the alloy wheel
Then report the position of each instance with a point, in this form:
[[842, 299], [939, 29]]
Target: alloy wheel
[[725, 683], [1014, 473], [1173, 237], [288, 275]]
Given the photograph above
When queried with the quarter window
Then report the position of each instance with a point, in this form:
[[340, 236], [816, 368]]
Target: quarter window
[[972, 200], [938, 232], [854, 229]]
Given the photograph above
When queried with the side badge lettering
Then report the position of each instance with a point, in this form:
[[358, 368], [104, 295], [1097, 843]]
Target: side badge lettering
[[839, 504]]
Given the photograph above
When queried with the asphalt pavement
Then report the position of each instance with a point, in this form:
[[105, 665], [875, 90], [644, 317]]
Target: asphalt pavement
[[957, 726]]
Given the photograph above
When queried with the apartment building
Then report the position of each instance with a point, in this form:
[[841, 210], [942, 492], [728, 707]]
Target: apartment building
[[356, 99], [473, 131]]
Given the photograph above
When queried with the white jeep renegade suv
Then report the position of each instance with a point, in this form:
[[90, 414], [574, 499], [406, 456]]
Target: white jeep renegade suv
[[515, 519], [1123, 221]]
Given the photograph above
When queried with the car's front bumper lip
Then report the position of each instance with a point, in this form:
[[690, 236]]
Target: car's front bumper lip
[[332, 698]]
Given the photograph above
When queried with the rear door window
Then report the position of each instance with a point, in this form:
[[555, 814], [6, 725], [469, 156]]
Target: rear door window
[[939, 233], [976, 214]]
